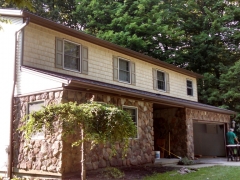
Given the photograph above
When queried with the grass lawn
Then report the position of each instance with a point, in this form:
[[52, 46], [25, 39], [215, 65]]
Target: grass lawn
[[207, 173]]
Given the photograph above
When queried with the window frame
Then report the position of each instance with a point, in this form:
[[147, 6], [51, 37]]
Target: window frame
[[136, 117], [165, 84], [41, 134], [189, 88], [116, 70], [129, 72], [60, 51], [156, 80], [80, 52]]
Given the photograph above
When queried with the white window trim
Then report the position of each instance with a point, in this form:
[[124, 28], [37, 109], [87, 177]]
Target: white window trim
[[59, 56], [187, 87], [80, 55], [165, 83], [133, 107], [130, 73], [116, 70], [166, 80]]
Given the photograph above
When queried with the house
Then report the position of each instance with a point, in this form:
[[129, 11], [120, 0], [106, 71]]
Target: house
[[45, 63]]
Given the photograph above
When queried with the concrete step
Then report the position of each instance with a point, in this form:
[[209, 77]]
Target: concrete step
[[164, 161]]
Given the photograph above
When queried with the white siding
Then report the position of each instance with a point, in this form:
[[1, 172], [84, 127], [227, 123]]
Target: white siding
[[16, 21], [7, 55], [33, 83]]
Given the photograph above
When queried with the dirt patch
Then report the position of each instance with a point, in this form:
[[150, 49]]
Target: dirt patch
[[130, 173]]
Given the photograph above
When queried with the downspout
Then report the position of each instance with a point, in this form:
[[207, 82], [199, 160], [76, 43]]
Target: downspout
[[10, 148]]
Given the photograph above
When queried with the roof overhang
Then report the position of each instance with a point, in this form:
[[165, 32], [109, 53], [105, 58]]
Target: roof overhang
[[106, 88], [151, 97]]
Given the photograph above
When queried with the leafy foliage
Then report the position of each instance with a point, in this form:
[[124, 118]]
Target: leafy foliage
[[185, 161], [58, 11], [101, 122], [18, 3], [201, 36], [143, 26]]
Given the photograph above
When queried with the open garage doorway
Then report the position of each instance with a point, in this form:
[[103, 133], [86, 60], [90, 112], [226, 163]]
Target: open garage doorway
[[209, 139], [170, 133]]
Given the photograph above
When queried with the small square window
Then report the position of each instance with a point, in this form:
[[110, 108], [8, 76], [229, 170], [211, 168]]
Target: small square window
[[133, 112], [189, 88]]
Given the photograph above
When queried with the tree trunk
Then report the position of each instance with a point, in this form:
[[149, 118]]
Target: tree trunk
[[83, 173]]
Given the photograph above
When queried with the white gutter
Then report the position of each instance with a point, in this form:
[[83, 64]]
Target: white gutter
[[10, 12]]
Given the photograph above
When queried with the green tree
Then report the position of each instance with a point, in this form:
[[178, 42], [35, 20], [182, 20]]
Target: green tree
[[17, 3], [200, 35], [99, 123], [59, 11], [230, 91], [144, 26]]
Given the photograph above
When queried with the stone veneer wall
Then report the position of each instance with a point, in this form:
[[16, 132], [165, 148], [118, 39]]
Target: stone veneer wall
[[180, 123], [173, 120], [140, 151], [57, 156], [193, 114], [43, 154]]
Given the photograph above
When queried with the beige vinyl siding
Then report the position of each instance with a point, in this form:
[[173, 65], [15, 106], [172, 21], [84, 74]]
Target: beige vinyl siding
[[39, 51]]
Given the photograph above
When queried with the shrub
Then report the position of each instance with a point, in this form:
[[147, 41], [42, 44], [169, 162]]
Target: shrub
[[185, 161]]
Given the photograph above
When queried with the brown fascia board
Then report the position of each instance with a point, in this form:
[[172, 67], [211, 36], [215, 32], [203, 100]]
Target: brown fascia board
[[86, 37]]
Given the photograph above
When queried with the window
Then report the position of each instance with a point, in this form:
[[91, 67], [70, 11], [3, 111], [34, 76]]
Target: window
[[35, 106], [161, 80], [133, 112], [71, 56], [124, 70], [189, 88]]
